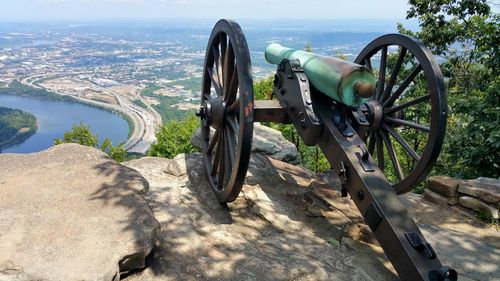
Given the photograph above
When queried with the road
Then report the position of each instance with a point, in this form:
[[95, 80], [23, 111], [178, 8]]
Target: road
[[145, 121]]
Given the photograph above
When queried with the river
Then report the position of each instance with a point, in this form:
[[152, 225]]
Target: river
[[56, 117]]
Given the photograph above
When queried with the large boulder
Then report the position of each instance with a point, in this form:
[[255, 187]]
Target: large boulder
[[266, 141], [72, 213]]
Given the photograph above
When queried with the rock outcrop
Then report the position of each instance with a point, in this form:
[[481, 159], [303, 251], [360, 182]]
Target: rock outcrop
[[266, 141], [72, 213], [266, 234], [481, 194], [289, 224]]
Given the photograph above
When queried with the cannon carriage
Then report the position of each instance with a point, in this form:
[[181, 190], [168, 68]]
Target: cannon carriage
[[380, 121]]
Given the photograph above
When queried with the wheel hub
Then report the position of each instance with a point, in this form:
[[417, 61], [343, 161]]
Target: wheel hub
[[214, 112], [374, 114]]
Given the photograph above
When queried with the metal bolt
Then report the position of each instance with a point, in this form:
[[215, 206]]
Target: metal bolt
[[277, 81], [308, 100], [302, 119], [200, 112], [303, 79], [360, 195]]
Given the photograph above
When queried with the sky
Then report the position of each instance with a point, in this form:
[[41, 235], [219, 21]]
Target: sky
[[85, 10]]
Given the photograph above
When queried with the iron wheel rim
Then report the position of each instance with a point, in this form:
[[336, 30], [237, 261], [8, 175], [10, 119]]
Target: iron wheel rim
[[387, 96], [227, 73]]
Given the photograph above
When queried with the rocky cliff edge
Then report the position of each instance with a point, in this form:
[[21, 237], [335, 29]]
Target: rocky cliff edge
[[71, 213]]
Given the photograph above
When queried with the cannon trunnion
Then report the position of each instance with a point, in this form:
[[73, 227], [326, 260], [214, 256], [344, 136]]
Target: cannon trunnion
[[380, 128]]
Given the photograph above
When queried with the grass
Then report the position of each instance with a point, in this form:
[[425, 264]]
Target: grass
[[140, 103], [486, 219]]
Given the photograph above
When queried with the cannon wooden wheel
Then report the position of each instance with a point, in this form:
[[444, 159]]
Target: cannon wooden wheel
[[408, 112], [226, 110]]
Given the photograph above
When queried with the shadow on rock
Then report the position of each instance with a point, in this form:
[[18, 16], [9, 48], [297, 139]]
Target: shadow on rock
[[203, 240]]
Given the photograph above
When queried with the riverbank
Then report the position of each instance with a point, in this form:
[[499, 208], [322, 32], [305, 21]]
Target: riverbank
[[37, 92], [146, 120], [15, 126]]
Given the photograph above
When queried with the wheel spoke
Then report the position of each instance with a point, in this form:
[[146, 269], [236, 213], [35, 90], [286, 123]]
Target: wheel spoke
[[368, 63], [229, 72], [230, 143], [380, 151], [233, 125], [408, 124], [217, 62], [371, 143], [228, 164], [233, 86], [222, 161], [215, 164], [215, 81], [392, 155], [233, 106], [223, 48], [213, 141], [408, 104], [381, 74], [402, 141], [394, 75], [390, 101]]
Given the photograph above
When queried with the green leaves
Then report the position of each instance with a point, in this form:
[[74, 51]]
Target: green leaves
[[174, 138], [263, 89], [465, 33], [81, 134]]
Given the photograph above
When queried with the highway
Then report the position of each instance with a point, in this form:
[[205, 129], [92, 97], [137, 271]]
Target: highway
[[145, 121]]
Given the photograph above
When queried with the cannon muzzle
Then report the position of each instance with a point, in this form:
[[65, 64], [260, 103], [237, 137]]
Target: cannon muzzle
[[343, 81]]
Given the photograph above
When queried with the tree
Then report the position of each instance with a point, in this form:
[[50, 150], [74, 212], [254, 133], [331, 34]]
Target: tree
[[312, 157], [81, 134], [174, 138], [263, 90], [115, 152], [465, 34]]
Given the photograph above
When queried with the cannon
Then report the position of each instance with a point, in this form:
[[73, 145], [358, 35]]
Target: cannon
[[380, 121]]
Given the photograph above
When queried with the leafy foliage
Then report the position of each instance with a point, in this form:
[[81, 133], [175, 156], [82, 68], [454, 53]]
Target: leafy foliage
[[81, 134], [263, 90], [312, 158], [174, 137], [15, 126], [19, 89], [465, 33]]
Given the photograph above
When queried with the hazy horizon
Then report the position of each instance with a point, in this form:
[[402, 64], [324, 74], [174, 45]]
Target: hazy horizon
[[158, 10]]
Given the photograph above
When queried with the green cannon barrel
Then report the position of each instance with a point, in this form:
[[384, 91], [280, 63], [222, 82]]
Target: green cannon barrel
[[343, 81]]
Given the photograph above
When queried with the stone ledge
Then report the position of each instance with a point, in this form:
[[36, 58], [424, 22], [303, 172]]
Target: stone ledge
[[475, 204], [484, 188], [443, 185]]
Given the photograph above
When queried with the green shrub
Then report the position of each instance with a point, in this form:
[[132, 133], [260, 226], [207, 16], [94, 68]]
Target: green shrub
[[81, 134], [174, 137]]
